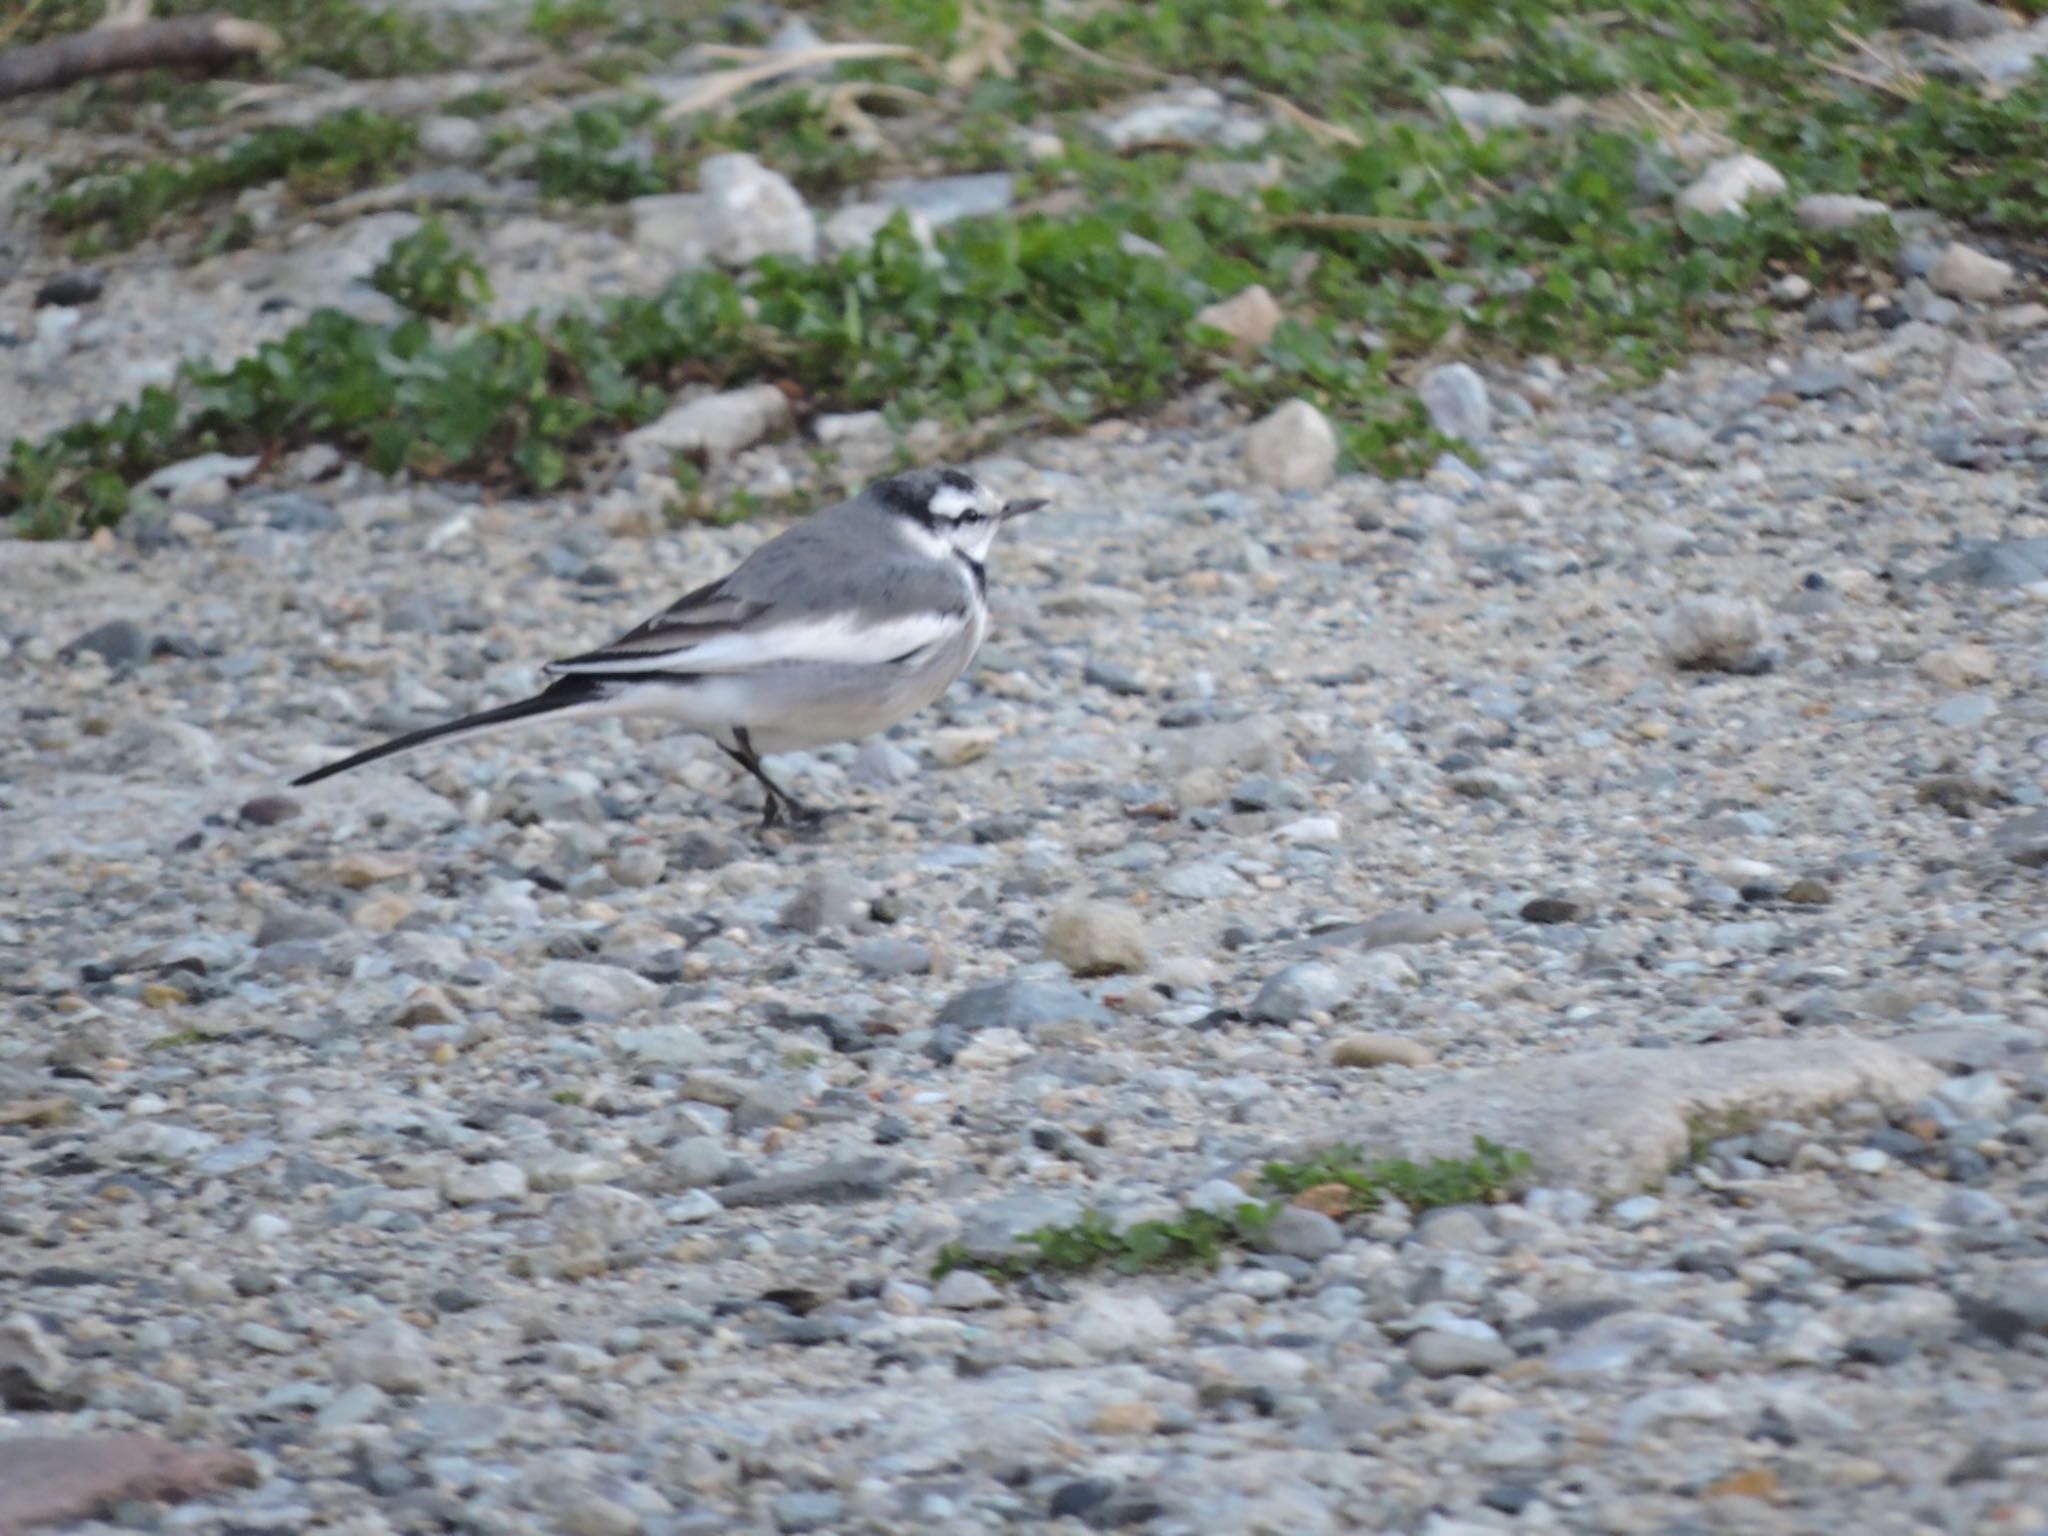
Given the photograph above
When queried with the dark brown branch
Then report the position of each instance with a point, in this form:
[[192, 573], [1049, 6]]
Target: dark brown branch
[[204, 40]]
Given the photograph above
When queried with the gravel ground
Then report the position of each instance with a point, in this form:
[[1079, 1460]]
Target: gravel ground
[[511, 1139]]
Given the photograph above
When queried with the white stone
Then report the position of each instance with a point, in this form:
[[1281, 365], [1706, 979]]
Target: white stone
[[1480, 112], [858, 225], [454, 139], [1109, 1323], [758, 212], [1616, 1121], [715, 425], [1730, 183], [1830, 212], [475, 1183], [174, 479], [994, 1049], [1293, 449], [965, 1291], [1959, 666], [1096, 938], [1964, 273], [1710, 632], [850, 426], [1249, 317]]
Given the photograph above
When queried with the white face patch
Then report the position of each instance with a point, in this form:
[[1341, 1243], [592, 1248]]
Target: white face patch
[[950, 502]]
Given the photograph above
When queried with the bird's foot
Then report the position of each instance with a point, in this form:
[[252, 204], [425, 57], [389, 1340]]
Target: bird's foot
[[801, 819]]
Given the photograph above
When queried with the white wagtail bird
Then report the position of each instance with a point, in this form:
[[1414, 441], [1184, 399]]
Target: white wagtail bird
[[839, 627]]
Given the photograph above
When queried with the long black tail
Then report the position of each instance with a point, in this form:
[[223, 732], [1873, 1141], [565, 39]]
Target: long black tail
[[564, 693]]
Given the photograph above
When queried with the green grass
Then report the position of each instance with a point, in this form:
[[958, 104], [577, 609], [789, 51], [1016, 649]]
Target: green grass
[[591, 156], [430, 275], [1201, 1238], [1416, 244], [113, 209]]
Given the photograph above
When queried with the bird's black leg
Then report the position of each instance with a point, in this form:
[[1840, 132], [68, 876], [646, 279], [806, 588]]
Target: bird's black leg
[[781, 803]]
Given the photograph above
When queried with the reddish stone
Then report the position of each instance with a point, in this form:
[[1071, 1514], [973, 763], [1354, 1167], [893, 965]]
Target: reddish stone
[[45, 1478]]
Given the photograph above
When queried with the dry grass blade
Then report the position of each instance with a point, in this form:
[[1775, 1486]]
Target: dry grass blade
[[843, 110], [19, 19], [1324, 133], [718, 89], [983, 45], [1889, 71], [1088, 55]]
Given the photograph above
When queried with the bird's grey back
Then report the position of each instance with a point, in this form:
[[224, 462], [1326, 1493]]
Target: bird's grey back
[[849, 557]]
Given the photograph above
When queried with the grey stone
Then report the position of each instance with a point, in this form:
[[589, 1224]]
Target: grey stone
[[480, 1183], [1674, 437], [1819, 383], [1309, 986], [1959, 21], [286, 925], [992, 1231], [389, 1354], [2002, 564], [1021, 1003], [1301, 1233], [1455, 396], [1872, 1263], [119, 643], [1389, 930], [841, 1182], [943, 199], [825, 900], [1964, 711], [664, 1045], [594, 991], [1455, 1228], [807, 1510], [1437, 1352], [695, 1161], [891, 957], [33, 1370]]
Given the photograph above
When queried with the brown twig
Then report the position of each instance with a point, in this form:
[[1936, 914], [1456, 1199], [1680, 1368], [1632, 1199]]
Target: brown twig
[[203, 40], [1367, 224]]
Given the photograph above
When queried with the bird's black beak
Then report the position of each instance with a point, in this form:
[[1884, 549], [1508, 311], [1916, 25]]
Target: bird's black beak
[[1019, 508]]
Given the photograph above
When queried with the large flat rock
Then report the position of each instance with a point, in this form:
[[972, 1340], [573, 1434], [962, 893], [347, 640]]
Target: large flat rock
[[1618, 1121]]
